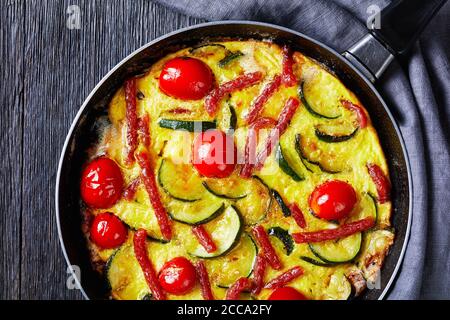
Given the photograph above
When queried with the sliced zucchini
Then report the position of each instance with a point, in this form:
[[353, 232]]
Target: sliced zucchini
[[214, 187], [284, 164], [125, 276], [230, 58], [340, 251], [310, 165], [336, 222], [339, 287], [315, 262], [232, 187], [180, 181], [139, 216], [191, 126], [209, 48], [284, 236], [333, 137], [195, 213], [227, 121], [308, 107], [375, 205], [366, 207], [238, 263], [255, 206], [225, 232], [284, 208]]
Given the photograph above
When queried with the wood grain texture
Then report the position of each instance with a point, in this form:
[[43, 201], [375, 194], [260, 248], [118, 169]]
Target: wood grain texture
[[49, 71], [11, 97]]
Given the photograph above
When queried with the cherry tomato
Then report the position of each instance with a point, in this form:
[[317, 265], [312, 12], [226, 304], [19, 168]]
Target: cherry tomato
[[101, 183], [332, 200], [286, 293], [214, 154], [177, 276], [108, 231], [186, 78]]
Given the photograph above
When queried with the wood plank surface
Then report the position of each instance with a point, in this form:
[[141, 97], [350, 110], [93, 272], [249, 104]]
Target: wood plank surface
[[11, 98], [50, 69]]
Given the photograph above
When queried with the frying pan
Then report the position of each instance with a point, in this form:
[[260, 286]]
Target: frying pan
[[357, 68]]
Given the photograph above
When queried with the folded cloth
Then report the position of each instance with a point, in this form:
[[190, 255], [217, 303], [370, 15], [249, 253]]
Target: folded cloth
[[417, 92]]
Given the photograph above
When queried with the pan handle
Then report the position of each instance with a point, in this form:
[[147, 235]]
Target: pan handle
[[398, 27]]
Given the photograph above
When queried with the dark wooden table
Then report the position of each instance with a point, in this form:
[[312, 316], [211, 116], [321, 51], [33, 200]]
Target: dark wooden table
[[46, 71]]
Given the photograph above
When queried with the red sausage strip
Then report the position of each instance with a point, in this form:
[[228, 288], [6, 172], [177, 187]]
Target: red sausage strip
[[203, 277], [360, 113], [283, 122], [132, 119], [252, 138], [242, 82], [267, 249], [179, 111], [381, 182], [331, 234], [284, 278], [288, 76], [204, 238], [140, 251], [241, 285], [258, 273], [298, 216], [148, 178], [130, 190], [259, 102], [144, 133]]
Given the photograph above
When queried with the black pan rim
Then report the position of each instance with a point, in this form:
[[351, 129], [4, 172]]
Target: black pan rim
[[338, 56]]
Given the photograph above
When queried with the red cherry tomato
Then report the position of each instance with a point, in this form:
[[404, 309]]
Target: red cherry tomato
[[177, 276], [101, 183], [286, 293], [214, 154], [108, 231], [332, 200], [186, 78]]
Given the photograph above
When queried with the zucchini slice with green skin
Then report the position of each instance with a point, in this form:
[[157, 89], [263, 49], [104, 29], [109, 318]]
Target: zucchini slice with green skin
[[333, 138], [341, 251], [232, 187], [217, 193], [238, 263], [229, 119], [229, 58], [284, 165], [195, 213], [191, 126], [225, 231], [139, 216], [284, 236], [339, 287], [310, 165], [311, 212], [284, 208], [256, 205], [180, 181], [213, 46], [251, 197], [308, 106], [316, 262], [375, 204], [125, 277], [366, 207]]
